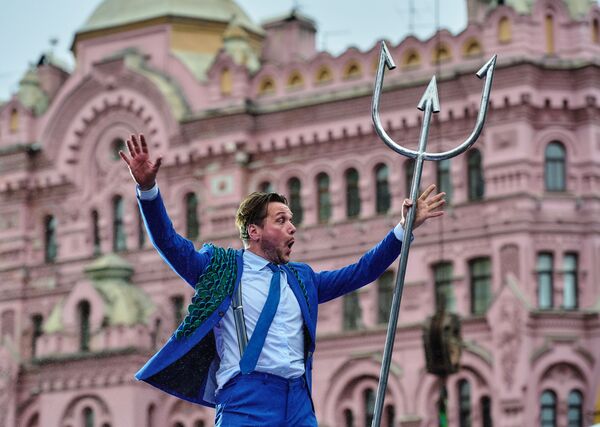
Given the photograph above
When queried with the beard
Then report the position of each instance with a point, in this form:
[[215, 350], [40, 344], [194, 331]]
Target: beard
[[276, 255]]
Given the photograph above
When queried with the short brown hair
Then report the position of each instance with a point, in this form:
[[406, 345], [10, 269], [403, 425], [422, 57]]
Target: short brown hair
[[253, 210]]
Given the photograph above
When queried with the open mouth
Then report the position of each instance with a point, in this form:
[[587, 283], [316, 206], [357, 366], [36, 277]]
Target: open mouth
[[290, 244]]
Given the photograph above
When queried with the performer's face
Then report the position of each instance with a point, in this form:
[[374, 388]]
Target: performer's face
[[276, 236]]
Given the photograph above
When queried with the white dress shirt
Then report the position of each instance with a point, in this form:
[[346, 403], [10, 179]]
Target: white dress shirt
[[283, 351]]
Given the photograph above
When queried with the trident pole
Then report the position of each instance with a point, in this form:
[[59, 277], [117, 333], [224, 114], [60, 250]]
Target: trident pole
[[429, 104]]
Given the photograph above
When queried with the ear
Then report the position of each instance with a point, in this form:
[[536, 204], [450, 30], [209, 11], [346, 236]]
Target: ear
[[254, 232]]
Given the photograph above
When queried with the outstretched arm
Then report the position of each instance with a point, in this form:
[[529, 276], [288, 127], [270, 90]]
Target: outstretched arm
[[332, 284], [141, 168], [176, 250]]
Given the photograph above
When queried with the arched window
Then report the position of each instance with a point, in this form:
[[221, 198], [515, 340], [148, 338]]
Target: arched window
[[324, 197], [7, 320], [390, 416], [13, 125], [192, 225], [295, 193], [295, 80], [266, 86], [385, 292], [83, 314], [444, 293], [555, 167], [575, 410], [409, 171], [475, 175], [50, 242], [177, 302], [411, 59], [549, 26], [226, 82], [352, 314], [504, 30], [97, 244], [36, 332], [151, 415], [441, 53], [117, 145], [352, 70], [119, 237], [464, 404], [155, 334], [324, 75], [34, 421], [352, 193], [548, 409], [472, 48], [88, 417], [369, 403], [266, 187], [348, 418], [481, 278], [486, 412], [382, 190], [570, 283], [545, 262], [444, 179]]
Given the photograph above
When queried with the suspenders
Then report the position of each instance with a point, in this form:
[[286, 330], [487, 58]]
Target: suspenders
[[240, 322]]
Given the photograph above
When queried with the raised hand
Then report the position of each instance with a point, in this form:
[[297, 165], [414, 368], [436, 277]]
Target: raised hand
[[427, 207], [141, 168]]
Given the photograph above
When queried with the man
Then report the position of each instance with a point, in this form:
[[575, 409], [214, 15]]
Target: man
[[266, 381]]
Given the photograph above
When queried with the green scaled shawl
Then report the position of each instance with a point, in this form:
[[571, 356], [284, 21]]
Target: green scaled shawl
[[214, 285]]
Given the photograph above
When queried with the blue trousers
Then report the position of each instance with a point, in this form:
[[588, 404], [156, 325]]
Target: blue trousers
[[261, 399]]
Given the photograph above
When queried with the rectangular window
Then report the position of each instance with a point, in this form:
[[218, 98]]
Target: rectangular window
[[352, 313], [36, 332], [481, 282], [545, 284], [177, 303], [444, 294], [385, 293], [570, 285], [444, 179]]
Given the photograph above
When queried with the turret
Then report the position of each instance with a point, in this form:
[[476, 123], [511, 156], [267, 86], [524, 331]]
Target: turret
[[289, 38]]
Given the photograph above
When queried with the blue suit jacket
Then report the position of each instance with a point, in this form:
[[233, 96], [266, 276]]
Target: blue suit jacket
[[185, 367]]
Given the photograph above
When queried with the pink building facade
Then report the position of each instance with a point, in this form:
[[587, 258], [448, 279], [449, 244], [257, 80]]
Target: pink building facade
[[234, 107]]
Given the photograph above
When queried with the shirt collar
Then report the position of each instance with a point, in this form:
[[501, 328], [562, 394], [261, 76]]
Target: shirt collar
[[253, 261]]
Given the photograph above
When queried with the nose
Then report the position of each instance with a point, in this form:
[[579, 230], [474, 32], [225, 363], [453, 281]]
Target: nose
[[292, 228]]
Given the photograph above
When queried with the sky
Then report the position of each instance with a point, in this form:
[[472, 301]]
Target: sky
[[28, 26]]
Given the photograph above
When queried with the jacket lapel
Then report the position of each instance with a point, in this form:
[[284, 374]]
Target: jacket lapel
[[295, 286]]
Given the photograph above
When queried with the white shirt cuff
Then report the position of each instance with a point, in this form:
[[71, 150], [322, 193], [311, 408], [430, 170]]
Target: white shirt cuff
[[399, 233], [147, 194]]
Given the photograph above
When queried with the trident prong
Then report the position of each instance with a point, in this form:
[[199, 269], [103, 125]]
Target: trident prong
[[431, 94], [429, 104], [385, 59]]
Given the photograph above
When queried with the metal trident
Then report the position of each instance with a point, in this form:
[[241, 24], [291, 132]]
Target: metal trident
[[429, 104]]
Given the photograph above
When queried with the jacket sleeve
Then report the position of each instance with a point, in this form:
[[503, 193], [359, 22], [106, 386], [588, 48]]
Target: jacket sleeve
[[332, 284], [178, 252]]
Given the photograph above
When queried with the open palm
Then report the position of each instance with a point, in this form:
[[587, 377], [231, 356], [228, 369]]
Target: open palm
[[142, 169]]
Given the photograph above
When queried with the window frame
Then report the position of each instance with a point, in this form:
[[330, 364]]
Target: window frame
[[479, 280], [353, 202], [545, 272], [555, 167]]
